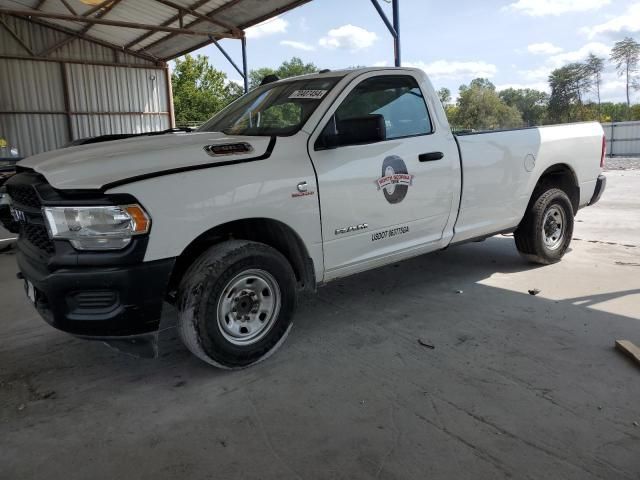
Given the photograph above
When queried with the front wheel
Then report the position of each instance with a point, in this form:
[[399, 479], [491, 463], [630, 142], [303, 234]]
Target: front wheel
[[236, 304], [545, 232]]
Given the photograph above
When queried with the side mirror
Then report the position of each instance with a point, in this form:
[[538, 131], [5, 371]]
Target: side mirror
[[353, 131]]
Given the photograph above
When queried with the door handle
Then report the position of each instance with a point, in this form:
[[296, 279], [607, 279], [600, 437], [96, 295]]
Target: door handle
[[430, 157]]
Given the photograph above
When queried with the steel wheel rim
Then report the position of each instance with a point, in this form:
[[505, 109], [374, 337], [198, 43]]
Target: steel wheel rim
[[248, 307], [553, 227]]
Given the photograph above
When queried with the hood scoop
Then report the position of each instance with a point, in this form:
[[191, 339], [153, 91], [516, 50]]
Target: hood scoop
[[222, 149]]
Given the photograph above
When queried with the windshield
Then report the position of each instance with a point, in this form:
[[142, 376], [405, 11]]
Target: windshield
[[277, 109]]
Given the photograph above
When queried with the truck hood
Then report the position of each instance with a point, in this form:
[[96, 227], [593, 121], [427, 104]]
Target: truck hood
[[96, 165]]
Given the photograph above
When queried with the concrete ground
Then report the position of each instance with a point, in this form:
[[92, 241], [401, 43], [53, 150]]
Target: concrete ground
[[517, 385]]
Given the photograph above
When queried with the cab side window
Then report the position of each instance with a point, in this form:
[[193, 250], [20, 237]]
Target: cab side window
[[397, 98]]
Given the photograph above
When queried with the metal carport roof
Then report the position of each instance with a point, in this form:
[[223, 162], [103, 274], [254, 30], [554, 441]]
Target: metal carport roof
[[157, 30]]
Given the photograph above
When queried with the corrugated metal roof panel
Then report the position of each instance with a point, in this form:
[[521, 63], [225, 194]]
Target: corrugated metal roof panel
[[30, 89], [39, 39], [30, 86], [33, 134], [162, 45], [91, 125], [96, 88]]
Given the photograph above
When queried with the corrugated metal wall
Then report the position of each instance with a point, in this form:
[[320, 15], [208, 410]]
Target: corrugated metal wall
[[623, 139], [46, 103]]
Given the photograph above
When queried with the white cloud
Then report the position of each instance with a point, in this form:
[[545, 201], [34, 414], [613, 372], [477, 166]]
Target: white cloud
[[626, 24], [444, 69], [613, 86], [541, 8], [381, 63], [540, 74], [298, 45], [579, 55], [544, 48], [270, 27], [536, 74], [348, 37]]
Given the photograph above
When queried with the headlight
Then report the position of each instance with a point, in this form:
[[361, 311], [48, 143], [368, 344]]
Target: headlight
[[4, 197], [97, 228]]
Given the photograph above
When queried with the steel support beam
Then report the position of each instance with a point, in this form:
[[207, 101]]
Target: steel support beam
[[17, 37], [109, 45], [245, 75], [205, 18], [213, 13], [396, 26], [394, 29], [67, 102], [165, 24], [69, 7], [242, 72], [85, 29], [83, 62], [113, 23]]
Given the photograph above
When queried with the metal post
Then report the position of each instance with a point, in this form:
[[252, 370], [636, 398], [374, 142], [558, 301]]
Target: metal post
[[172, 115], [243, 72], [396, 27], [244, 64], [613, 139], [67, 101]]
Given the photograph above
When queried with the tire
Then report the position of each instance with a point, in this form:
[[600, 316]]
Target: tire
[[251, 279], [390, 165], [545, 232]]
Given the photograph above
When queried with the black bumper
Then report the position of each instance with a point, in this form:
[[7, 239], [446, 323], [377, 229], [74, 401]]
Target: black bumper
[[601, 183], [100, 302]]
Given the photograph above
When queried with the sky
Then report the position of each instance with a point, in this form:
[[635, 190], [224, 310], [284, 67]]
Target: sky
[[514, 43]]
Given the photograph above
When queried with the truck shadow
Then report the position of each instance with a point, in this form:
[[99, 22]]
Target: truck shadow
[[394, 351], [431, 295]]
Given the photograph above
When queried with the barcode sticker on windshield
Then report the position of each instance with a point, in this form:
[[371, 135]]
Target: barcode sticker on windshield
[[311, 94]]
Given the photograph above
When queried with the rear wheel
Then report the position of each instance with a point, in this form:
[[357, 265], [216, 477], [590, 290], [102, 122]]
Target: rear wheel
[[545, 232], [236, 304]]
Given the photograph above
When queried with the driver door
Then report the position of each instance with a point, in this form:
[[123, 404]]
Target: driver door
[[386, 199]]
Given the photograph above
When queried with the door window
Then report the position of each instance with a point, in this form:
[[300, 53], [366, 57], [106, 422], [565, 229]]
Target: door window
[[397, 98]]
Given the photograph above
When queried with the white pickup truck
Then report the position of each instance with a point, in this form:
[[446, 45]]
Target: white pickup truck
[[300, 182]]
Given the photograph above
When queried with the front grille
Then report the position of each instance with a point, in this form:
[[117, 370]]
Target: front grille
[[37, 236], [24, 195]]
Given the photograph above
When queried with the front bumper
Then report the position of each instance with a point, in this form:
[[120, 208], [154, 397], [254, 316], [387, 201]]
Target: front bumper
[[601, 184], [100, 302]]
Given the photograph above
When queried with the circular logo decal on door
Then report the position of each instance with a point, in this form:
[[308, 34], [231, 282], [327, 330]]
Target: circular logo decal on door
[[395, 180]]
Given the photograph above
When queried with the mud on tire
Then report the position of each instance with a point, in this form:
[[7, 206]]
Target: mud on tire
[[539, 238], [224, 277]]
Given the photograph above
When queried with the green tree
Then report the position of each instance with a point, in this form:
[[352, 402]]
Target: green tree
[[256, 76], [568, 85], [581, 77], [532, 104], [288, 68], [199, 90], [616, 112], [480, 108], [595, 67], [444, 94], [626, 56]]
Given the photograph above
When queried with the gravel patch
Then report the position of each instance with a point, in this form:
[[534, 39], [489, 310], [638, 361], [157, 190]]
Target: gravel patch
[[622, 163]]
